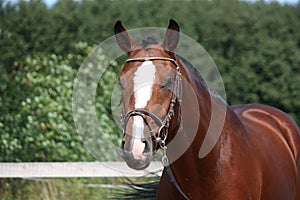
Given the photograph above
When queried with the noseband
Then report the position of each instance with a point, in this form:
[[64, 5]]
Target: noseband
[[163, 125]]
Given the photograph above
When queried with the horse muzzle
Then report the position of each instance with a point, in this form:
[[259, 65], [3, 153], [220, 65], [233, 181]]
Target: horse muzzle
[[138, 154]]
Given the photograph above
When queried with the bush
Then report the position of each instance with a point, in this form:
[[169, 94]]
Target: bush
[[37, 122]]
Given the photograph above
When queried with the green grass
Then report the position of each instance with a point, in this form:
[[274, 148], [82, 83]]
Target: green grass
[[62, 188]]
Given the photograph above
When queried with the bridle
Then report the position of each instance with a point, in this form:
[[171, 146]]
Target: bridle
[[163, 125]]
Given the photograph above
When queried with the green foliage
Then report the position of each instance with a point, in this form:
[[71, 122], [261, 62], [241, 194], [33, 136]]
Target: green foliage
[[36, 123], [92, 106], [106, 87], [259, 58], [37, 119]]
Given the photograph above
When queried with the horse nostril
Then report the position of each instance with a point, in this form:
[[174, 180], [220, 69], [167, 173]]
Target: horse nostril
[[147, 146]]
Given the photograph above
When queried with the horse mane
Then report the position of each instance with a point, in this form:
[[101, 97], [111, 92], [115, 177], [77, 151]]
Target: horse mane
[[193, 72], [198, 79]]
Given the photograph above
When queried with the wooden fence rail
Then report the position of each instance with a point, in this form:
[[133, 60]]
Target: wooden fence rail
[[75, 169]]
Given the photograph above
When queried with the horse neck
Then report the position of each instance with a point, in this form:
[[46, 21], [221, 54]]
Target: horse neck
[[189, 166], [196, 108]]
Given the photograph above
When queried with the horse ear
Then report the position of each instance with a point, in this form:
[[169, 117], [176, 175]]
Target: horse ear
[[124, 40], [171, 38]]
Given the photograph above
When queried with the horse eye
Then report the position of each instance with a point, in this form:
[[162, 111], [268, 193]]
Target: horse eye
[[169, 83]]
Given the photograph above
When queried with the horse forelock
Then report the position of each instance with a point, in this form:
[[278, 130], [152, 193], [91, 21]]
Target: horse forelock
[[149, 40]]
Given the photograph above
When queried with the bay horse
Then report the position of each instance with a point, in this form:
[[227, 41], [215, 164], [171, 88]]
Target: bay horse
[[256, 155]]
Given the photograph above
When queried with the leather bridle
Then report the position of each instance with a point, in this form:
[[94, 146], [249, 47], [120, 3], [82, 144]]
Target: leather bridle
[[163, 124]]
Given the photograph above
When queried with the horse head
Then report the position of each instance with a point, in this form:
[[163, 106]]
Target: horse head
[[151, 91]]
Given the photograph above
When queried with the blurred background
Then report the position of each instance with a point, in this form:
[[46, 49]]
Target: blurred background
[[255, 44]]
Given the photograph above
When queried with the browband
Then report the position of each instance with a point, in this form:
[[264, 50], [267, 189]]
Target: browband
[[142, 59]]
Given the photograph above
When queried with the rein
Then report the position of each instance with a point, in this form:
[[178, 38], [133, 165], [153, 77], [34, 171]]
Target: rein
[[162, 124]]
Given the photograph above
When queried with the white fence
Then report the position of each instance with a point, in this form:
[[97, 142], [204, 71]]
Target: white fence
[[75, 169]]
